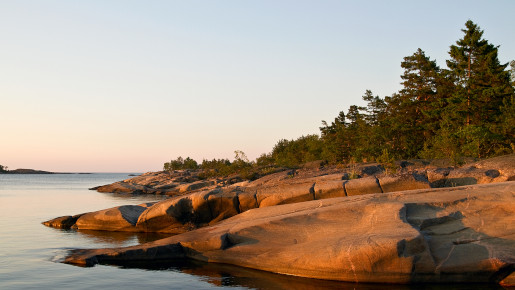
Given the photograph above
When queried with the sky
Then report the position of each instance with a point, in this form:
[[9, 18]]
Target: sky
[[124, 86]]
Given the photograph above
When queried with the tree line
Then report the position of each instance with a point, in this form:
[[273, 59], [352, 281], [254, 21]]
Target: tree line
[[464, 110]]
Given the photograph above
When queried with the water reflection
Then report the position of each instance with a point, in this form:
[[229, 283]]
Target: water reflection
[[120, 238], [135, 197], [227, 275], [222, 275]]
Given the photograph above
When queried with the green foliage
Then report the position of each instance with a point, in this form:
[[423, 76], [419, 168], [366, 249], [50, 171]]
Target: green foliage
[[464, 111], [335, 140], [265, 160], [474, 140], [353, 169], [190, 163], [444, 145], [506, 124], [296, 152], [512, 73], [357, 135], [180, 164], [413, 112], [219, 167], [215, 168], [467, 110], [388, 162], [480, 81], [3, 169], [243, 166]]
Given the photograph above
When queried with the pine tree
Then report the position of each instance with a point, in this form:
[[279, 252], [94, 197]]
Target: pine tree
[[481, 87], [375, 108], [414, 112], [421, 82], [335, 139], [376, 135], [481, 82]]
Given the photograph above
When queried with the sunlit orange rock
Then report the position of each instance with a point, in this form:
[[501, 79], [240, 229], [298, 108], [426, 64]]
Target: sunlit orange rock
[[461, 234]]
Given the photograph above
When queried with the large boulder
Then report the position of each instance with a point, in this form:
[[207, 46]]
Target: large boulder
[[120, 218], [471, 175], [177, 215], [329, 188], [63, 222], [124, 187], [463, 234], [223, 204], [360, 186], [504, 165], [195, 185], [437, 177], [285, 193], [169, 183], [402, 182]]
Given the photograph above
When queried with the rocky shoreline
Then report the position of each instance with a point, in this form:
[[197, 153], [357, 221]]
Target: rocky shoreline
[[424, 224]]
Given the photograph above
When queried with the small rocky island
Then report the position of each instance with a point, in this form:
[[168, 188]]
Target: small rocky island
[[3, 170], [24, 171], [425, 223]]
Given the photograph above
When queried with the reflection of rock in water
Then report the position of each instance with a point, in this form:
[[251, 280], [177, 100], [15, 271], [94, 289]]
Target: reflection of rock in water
[[121, 238], [233, 276]]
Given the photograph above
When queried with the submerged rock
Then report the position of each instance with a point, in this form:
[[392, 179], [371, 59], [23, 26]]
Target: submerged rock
[[462, 234]]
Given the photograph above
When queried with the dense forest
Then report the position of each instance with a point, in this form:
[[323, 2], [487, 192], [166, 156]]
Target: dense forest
[[465, 110]]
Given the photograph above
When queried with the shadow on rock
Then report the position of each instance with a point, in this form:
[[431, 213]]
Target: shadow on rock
[[460, 181], [449, 249]]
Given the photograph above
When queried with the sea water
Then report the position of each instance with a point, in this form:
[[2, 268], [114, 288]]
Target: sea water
[[31, 253]]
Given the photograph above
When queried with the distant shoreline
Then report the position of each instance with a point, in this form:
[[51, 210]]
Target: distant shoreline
[[33, 171]]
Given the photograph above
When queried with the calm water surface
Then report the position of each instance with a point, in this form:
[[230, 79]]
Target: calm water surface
[[30, 252]]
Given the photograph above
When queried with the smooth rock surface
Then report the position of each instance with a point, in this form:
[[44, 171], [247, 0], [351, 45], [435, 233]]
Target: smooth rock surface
[[207, 202], [366, 185], [462, 234], [403, 182], [121, 218], [182, 182], [63, 222]]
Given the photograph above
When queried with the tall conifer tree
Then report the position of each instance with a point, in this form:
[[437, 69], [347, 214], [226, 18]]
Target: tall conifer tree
[[414, 111], [481, 82], [481, 87]]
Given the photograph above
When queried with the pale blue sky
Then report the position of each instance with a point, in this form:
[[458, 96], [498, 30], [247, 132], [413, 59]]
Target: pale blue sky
[[128, 85]]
